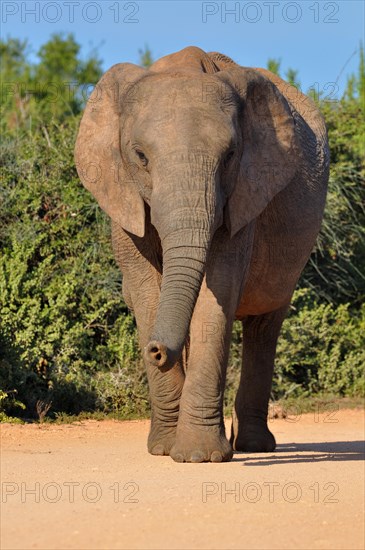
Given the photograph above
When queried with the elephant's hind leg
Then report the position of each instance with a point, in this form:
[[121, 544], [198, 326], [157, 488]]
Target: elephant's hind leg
[[249, 426]]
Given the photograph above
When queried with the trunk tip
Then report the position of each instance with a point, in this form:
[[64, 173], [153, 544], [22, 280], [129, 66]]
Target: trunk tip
[[158, 355]]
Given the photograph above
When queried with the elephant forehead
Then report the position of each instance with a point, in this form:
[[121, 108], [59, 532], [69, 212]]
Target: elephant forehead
[[186, 127], [180, 89], [173, 114]]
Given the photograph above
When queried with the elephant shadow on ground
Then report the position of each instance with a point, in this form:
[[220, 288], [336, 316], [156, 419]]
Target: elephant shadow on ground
[[286, 453]]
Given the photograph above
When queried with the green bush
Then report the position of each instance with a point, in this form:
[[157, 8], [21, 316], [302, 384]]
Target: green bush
[[64, 327], [336, 269], [321, 350]]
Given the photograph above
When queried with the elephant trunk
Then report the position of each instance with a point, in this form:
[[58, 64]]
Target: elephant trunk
[[183, 272], [186, 233]]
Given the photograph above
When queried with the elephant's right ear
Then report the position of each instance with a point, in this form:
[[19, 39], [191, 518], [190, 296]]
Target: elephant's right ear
[[97, 152]]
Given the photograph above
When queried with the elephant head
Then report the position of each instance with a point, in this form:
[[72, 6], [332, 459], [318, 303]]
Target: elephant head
[[197, 146]]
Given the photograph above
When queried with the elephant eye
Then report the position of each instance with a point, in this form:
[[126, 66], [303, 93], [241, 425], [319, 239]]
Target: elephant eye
[[228, 158], [142, 157]]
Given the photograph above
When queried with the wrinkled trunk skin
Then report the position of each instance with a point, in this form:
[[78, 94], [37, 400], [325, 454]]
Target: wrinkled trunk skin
[[186, 219], [183, 273]]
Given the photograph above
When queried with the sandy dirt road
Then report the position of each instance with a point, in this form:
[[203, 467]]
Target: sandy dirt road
[[93, 485]]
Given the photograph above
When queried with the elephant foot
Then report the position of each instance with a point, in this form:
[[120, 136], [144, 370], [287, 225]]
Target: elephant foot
[[161, 439], [201, 446], [252, 438]]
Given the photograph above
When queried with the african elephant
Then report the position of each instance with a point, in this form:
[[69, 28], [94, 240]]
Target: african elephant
[[214, 176]]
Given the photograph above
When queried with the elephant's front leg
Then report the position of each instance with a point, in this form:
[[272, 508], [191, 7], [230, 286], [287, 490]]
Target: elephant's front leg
[[200, 432], [141, 290], [165, 387], [165, 391]]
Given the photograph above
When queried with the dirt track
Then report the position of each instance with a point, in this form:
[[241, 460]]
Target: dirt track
[[97, 487]]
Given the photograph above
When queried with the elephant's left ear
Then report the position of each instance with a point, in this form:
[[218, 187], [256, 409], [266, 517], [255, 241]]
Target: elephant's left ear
[[270, 152]]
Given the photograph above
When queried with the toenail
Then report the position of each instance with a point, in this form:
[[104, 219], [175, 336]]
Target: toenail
[[178, 458], [158, 450], [197, 456], [216, 457]]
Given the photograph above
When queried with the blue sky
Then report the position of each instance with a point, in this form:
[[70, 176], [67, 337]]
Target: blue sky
[[319, 38]]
